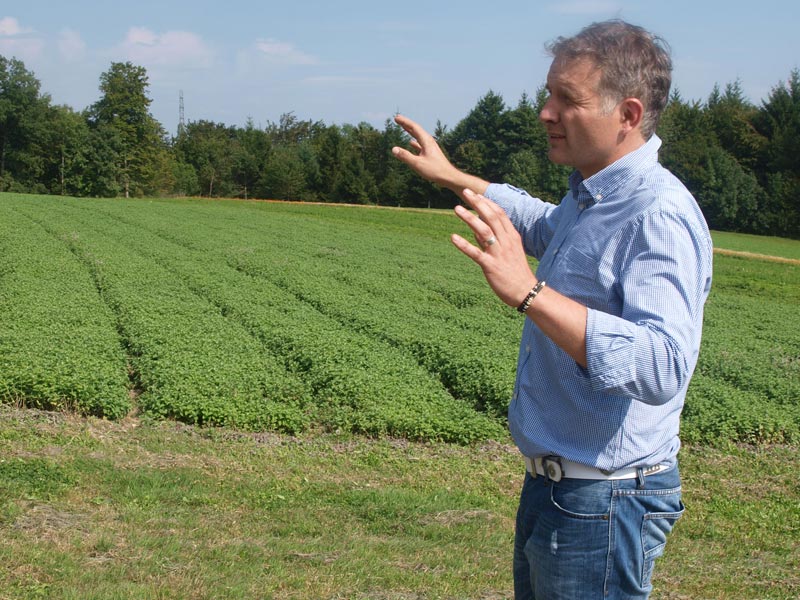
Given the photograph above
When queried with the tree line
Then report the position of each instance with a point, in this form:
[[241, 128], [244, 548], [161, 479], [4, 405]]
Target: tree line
[[741, 160]]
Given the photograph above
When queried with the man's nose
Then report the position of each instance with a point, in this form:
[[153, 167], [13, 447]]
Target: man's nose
[[547, 114]]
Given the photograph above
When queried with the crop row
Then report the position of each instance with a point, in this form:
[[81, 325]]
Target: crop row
[[747, 383], [288, 316], [59, 346], [398, 283], [189, 361], [388, 284], [357, 382]]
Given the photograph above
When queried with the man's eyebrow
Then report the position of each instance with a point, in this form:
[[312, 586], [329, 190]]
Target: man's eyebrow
[[564, 88]]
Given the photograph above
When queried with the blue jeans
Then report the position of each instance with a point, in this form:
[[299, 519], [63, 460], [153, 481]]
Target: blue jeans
[[592, 539]]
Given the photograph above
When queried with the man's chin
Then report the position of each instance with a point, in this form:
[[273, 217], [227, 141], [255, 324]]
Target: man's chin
[[557, 157]]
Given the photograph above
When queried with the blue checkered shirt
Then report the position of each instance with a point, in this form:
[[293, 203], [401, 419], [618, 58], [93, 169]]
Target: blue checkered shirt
[[631, 244]]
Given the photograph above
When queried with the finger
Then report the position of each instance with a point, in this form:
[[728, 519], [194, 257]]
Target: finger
[[472, 251], [416, 145], [489, 212], [481, 230], [404, 155], [484, 208], [414, 129], [406, 123]]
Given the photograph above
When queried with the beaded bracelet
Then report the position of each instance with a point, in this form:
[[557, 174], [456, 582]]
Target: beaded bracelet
[[530, 297]]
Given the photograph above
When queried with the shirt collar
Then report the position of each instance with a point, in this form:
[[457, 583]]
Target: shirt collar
[[607, 180]]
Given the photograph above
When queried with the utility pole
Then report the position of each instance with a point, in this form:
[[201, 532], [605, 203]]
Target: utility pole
[[181, 122]]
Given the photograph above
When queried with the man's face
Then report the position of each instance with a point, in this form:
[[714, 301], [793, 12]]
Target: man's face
[[583, 130]]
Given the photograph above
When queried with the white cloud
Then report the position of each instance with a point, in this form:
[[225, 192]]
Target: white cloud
[[18, 42], [170, 49], [139, 36], [25, 50], [283, 53], [10, 26], [71, 46], [15, 41], [586, 7]]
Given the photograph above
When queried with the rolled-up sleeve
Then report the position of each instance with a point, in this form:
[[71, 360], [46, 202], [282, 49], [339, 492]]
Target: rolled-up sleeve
[[648, 352]]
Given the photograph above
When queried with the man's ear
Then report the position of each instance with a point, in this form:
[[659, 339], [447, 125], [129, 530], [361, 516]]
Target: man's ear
[[631, 113]]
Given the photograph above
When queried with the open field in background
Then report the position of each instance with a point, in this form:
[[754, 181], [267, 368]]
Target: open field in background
[[294, 329], [756, 244], [286, 317]]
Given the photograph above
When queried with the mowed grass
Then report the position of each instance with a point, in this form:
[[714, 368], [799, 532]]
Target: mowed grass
[[92, 509], [137, 509], [756, 244]]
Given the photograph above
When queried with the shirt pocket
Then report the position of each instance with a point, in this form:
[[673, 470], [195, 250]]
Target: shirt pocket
[[578, 277]]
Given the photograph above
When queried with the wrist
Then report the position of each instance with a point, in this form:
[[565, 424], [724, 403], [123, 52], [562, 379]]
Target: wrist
[[531, 296], [457, 181]]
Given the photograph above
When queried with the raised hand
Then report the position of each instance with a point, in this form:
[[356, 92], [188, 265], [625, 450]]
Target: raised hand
[[431, 163]]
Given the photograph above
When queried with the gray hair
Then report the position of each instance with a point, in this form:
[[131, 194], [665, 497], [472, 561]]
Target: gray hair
[[633, 62]]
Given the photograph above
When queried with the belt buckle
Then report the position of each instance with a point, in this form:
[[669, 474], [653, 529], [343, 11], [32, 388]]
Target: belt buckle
[[553, 470]]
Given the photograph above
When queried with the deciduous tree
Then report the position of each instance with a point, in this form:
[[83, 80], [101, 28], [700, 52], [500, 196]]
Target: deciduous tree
[[124, 108]]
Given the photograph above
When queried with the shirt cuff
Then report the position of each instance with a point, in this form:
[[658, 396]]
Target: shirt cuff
[[504, 193], [610, 351]]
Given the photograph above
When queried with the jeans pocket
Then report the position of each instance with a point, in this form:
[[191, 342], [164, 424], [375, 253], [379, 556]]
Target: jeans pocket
[[656, 526], [582, 499]]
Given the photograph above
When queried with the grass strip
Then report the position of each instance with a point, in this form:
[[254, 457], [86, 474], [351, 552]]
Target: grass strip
[[143, 509]]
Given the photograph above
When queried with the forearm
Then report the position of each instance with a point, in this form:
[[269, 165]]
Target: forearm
[[508, 272], [562, 320], [647, 360], [457, 181]]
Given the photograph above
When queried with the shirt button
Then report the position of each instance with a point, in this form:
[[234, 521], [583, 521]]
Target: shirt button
[[598, 197], [581, 206], [528, 348]]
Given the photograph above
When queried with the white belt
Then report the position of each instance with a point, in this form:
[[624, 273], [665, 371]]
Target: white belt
[[555, 467]]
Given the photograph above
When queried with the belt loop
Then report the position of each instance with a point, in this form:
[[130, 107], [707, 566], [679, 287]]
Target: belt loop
[[640, 478]]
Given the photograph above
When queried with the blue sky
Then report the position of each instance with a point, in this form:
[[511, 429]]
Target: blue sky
[[363, 60]]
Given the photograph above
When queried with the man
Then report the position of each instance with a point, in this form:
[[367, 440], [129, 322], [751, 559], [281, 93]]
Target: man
[[613, 317]]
